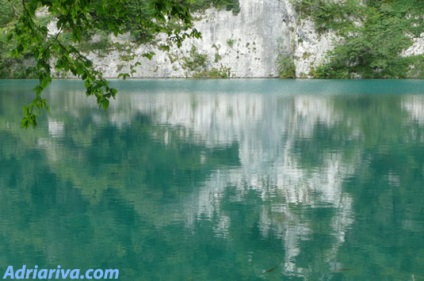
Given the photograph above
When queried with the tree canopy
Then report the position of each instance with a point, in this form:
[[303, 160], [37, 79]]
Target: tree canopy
[[75, 21], [373, 36]]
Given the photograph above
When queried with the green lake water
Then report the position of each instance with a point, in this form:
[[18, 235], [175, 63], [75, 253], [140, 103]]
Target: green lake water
[[217, 180]]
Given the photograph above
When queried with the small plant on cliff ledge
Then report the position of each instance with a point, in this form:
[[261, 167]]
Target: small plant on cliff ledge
[[229, 5], [222, 73], [196, 61], [286, 68], [230, 42]]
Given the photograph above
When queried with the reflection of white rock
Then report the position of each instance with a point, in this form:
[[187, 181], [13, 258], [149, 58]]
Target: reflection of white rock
[[56, 128], [52, 149], [414, 105], [265, 128], [311, 111], [217, 119]]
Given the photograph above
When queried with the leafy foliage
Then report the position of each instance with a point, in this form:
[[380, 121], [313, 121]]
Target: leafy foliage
[[374, 33], [416, 69], [229, 5], [196, 61], [76, 21], [198, 66], [222, 72], [32, 51], [328, 14], [286, 67]]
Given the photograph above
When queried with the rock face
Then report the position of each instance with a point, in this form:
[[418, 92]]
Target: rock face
[[247, 44], [417, 47]]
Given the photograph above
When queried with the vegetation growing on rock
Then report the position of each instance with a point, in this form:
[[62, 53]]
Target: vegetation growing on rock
[[374, 36]]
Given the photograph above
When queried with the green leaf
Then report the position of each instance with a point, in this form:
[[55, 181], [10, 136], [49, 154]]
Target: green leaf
[[104, 103], [148, 55], [124, 76]]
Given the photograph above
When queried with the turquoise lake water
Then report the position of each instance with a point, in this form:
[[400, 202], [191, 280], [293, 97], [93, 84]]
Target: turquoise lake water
[[217, 180]]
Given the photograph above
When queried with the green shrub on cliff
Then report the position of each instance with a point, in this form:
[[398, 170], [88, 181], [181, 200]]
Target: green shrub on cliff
[[374, 35], [286, 68], [229, 5]]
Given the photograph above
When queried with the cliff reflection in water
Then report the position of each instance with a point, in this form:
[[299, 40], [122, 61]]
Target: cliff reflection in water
[[270, 131], [257, 178]]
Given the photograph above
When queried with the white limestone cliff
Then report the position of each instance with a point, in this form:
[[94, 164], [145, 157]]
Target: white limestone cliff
[[247, 44]]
